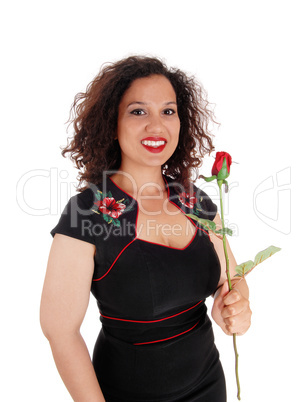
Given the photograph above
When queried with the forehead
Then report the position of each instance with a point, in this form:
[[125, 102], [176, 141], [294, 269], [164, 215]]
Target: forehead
[[154, 87]]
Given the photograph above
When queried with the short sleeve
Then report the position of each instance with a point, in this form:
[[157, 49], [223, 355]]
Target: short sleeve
[[206, 207], [76, 219]]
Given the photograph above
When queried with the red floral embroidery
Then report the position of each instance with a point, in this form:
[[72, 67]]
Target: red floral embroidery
[[110, 207], [188, 199]]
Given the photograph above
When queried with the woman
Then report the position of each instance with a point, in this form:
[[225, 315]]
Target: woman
[[140, 129]]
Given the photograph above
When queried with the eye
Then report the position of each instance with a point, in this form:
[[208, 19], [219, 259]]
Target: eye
[[169, 112], [138, 112]]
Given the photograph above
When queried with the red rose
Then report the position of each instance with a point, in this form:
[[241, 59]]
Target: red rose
[[217, 166], [111, 207], [188, 199]]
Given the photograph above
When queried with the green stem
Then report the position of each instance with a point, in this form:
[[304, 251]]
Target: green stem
[[220, 182], [236, 367], [224, 238]]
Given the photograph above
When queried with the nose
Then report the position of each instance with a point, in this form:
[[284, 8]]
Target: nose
[[154, 124]]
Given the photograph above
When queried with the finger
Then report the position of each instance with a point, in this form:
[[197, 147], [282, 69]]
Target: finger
[[236, 323], [240, 330], [224, 329], [232, 297], [235, 308], [224, 291], [238, 326]]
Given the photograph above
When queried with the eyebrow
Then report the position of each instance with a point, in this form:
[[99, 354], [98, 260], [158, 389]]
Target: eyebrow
[[144, 103]]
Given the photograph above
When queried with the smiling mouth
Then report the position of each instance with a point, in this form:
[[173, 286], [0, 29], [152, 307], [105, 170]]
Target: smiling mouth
[[153, 144]]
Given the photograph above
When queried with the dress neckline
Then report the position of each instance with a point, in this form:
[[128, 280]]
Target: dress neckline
[[129, 195], [169, 196], [191, 242]]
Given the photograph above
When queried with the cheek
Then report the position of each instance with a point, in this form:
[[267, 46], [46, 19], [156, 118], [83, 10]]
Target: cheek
[[175, 131], [129, 127], [127, 138], [173, 126], [175, 134], [124, 144], [123, 132]]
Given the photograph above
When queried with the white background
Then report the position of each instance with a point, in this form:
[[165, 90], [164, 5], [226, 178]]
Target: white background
[[250, 57]]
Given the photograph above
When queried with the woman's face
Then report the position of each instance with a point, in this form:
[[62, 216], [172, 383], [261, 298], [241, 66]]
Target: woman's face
[[148, 123]]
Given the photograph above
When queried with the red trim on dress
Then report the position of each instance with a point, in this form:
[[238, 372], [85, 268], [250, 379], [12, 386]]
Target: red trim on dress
[[168, 191], [146, 322], [116, 185], [95, 280], [166, 339], [203, 230], [136, 236], [198, 227], [174, 248]]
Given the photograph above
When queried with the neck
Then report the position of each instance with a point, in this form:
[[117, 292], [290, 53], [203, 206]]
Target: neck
[[147, 180]]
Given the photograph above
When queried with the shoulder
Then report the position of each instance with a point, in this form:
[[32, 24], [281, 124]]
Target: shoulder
[[85, 201], [86, 197], [192, 199], [204, 204], [77, 216]]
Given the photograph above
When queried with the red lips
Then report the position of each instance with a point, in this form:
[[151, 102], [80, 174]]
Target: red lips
[[152, 148]]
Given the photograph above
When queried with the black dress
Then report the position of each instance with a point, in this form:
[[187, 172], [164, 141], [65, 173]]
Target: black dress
[[156, 342]]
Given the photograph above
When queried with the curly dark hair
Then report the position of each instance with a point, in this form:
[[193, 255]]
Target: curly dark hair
[[94, 115]]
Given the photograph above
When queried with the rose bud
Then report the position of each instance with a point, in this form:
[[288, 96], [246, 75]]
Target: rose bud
[[221, 167]]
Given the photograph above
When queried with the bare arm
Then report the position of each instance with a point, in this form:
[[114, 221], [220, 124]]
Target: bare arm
[[231, 310], [64, 303]]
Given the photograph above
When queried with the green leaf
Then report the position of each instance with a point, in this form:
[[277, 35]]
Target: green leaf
[[206, 223], [128, 208], [210, 225], [226, 231], [116, 222], [208, 179], [264, 254], [98, 195], [223, 172], [107, 218], [244, 268], [196, 211]]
